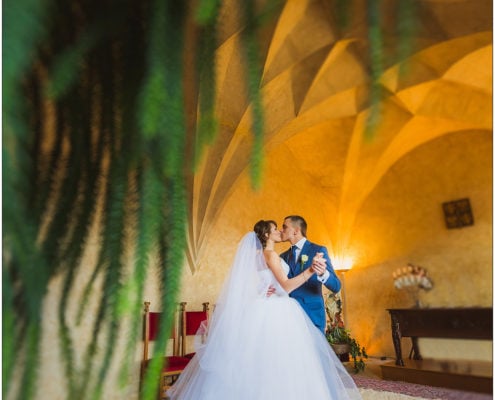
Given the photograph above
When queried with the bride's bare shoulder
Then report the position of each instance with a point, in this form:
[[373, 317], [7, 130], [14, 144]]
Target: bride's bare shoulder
[[270, 255]]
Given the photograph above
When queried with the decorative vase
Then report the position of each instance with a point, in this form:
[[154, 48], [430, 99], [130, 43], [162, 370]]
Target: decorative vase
[[341, 350], [414, 293]]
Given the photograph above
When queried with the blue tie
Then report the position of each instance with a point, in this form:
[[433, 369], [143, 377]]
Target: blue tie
[[293, 259]]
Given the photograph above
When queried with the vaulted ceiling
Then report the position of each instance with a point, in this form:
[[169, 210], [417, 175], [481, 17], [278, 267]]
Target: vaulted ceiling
[[315, 87]]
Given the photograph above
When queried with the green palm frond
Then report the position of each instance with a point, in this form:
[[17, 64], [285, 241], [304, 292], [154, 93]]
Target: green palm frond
[[407, 26], [253, 73], [376, 63]]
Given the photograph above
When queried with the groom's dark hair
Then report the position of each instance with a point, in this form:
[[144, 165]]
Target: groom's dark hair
[[300, 222]]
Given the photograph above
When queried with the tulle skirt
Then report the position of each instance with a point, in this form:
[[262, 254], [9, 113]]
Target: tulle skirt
[[281, 355]]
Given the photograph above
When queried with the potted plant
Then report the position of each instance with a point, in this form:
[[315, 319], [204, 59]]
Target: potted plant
[[342, 342], [340, 338]]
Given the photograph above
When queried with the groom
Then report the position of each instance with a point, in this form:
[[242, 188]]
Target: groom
[[299, 257]]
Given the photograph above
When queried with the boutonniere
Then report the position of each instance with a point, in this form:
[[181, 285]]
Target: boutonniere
[[304, 259]]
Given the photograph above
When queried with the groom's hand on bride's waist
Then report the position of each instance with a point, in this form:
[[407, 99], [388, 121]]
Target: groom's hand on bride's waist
[[270, 291]]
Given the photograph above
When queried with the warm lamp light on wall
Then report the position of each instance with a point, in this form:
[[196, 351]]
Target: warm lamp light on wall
[[343, 264]]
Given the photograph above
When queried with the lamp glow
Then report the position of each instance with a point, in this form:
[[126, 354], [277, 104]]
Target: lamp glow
[[342, 263]]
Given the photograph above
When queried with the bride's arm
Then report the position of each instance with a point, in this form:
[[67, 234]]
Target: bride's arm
[[289, 284]]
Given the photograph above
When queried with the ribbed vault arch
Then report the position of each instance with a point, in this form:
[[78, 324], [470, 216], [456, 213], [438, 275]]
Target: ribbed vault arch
[[315, 90]]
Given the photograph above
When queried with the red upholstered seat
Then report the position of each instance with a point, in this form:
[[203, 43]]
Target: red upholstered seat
[[173, 365], [190, 323]]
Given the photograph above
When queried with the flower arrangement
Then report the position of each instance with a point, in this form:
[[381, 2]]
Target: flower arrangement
[[412, 278], [412, 275]]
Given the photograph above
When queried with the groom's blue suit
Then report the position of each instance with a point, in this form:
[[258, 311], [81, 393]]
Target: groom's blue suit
[[309, 295]]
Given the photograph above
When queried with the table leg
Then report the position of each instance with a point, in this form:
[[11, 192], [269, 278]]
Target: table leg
[[396, 335], [416, 356]]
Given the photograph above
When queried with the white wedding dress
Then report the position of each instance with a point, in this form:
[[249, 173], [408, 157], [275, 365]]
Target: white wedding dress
[[270, 352]]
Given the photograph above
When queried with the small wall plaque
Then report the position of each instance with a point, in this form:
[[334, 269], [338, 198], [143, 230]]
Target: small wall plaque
[[458, 213]]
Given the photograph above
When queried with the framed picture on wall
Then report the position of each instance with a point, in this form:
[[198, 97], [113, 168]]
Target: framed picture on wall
[[458, 213]]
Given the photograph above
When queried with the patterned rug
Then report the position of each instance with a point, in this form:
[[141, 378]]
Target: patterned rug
[[413, 389], [370, 394]]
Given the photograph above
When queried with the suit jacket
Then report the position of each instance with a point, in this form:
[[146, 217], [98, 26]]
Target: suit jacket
[[309, 295]]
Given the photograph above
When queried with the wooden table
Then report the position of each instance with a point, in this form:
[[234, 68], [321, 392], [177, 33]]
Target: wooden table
[[458, 323]]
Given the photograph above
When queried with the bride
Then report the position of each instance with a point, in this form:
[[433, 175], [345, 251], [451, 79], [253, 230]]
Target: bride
[[259, 346]]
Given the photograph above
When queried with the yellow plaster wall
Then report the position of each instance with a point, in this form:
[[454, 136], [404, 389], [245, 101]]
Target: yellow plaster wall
[[402, 221]]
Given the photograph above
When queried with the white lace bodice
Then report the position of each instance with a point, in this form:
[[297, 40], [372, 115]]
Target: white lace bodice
[[267, 279]]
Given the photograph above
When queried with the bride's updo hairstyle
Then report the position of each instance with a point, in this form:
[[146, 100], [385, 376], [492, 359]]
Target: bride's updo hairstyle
[[262, 229]]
